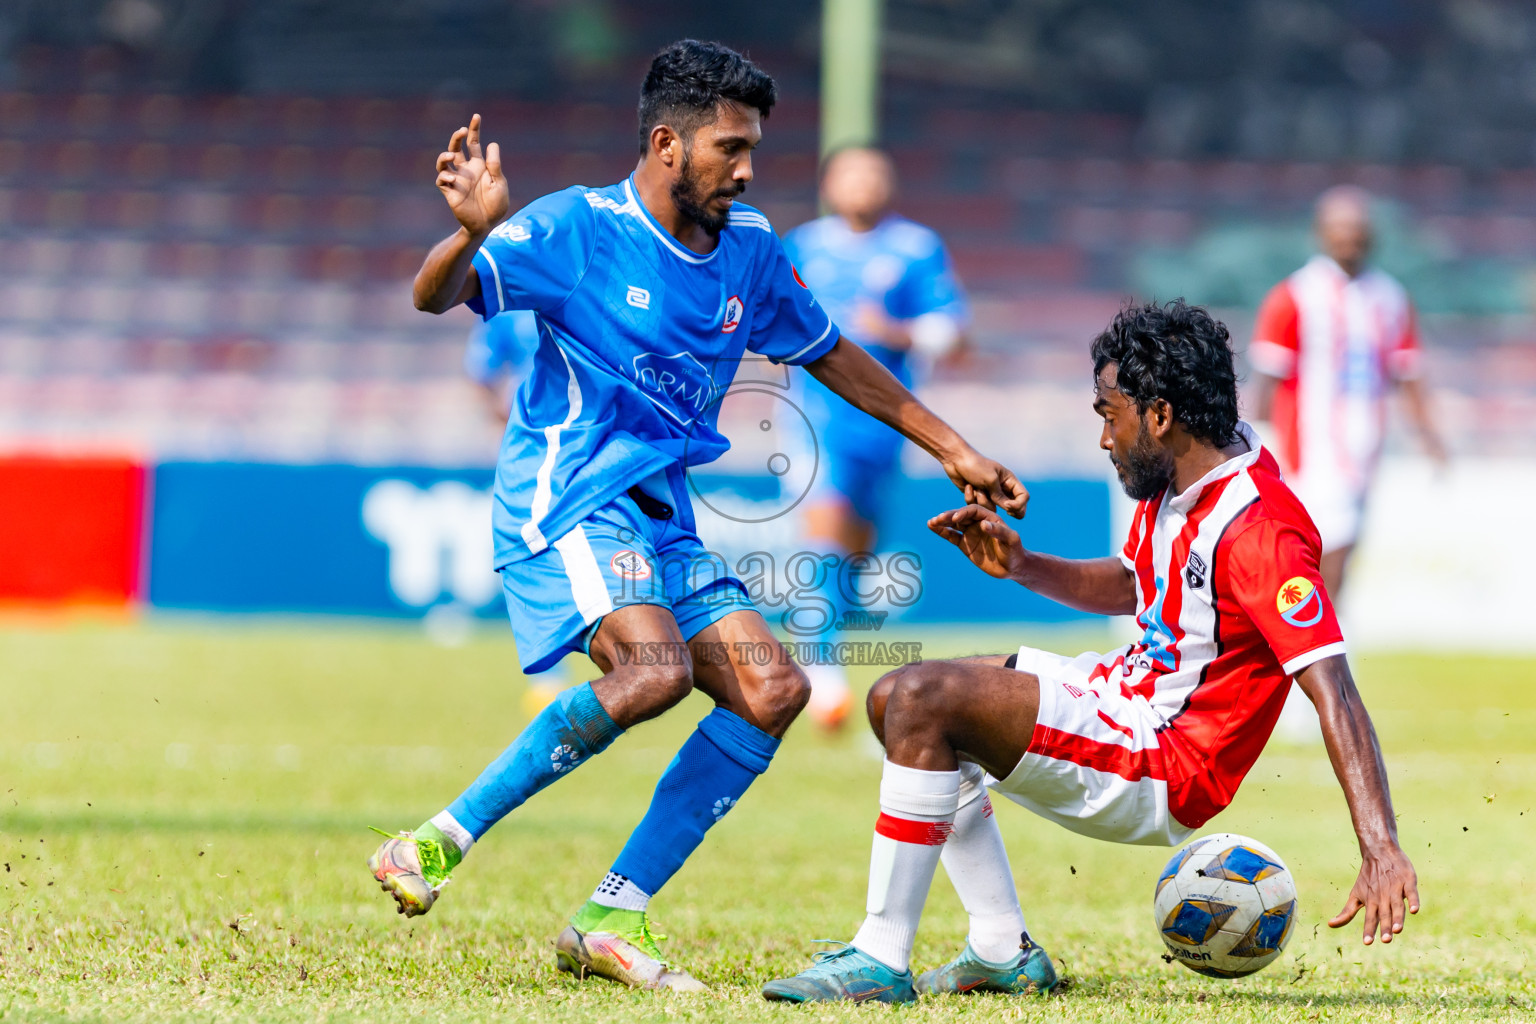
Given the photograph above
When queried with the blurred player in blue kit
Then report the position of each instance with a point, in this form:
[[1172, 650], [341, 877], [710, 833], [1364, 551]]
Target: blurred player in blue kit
[[498, 357], [647, 294], [890, 284]]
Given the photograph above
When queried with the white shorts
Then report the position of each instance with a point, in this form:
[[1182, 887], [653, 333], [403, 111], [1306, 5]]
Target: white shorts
[[1094, 764], [1335, 505]]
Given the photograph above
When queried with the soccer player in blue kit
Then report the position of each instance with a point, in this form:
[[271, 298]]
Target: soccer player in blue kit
[[889, 282], [647, 294]]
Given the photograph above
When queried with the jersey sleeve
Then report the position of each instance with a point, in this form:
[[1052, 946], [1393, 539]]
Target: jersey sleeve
[[1276, 334], [1405, 355], [1274, 576], [536, 258], [788, 324]]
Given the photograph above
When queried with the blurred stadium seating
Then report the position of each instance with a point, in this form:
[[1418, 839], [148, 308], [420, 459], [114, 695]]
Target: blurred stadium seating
[[196, 273]]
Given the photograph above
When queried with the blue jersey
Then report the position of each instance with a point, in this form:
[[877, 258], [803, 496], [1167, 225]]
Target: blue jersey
[[639, 338], [902, 269], [501, 347]]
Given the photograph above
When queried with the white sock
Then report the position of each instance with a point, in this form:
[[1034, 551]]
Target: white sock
[[449, 826], [620, 893], [917, 811], [976, 862]]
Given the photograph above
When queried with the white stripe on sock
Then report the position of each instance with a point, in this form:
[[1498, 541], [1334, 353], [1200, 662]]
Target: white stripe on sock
[[449, 826]]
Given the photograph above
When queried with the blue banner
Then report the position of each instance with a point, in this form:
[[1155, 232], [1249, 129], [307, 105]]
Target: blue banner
[[241, 537]]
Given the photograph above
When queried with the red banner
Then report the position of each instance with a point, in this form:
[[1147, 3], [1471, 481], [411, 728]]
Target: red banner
[[70, 529]]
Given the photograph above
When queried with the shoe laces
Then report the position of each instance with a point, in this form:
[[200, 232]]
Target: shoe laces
[[823, 961], [434, 863], [648, 941]]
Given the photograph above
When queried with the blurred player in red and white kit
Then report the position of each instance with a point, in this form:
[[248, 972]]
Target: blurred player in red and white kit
[[1330, 341]]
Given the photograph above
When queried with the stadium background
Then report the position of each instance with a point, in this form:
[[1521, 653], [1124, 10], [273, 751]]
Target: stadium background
[[209, 215]]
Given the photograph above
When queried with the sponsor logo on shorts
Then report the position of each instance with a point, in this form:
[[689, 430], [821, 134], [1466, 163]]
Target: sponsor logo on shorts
[[733, 311], [630, 565], [1299, 602]]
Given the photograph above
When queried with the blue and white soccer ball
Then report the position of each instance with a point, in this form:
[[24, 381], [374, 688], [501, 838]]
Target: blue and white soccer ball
[[1225, 906]]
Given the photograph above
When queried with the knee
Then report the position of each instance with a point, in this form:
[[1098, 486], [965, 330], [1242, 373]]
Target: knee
[[782, 693], [875, 703], [662, 687], [918, 692]]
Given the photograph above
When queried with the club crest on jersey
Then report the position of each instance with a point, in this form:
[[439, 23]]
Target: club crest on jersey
[[1299, 602], [1194, 571], [796, 275], [733, 311], [630, 565]]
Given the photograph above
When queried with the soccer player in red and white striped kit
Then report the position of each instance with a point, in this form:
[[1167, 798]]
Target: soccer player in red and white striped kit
[[1144, 744]]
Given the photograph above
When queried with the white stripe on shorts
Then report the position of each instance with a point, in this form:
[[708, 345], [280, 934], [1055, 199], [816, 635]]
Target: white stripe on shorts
[[587, 585]]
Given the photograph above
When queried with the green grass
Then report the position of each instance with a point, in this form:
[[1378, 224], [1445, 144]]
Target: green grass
[[184, 812]]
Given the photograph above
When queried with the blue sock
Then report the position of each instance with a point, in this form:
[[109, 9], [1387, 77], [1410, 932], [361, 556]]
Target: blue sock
[[564, 735], [703, 782]]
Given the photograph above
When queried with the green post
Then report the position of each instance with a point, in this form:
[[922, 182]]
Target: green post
[[850, 72]]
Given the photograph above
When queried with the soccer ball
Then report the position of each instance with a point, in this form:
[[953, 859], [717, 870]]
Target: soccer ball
[[1224, 906]]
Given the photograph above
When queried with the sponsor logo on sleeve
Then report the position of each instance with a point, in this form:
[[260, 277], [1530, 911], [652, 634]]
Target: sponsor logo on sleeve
[[1299, 602]]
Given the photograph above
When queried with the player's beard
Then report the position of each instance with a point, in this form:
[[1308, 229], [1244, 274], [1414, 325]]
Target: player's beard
[[690, 196], [1147, 468]]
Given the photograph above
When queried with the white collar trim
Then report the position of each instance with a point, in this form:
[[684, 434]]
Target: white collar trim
[[671, 243], [1183, 502]]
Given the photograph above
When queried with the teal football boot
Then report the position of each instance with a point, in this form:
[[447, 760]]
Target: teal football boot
[[845, 974], [1029, 973]]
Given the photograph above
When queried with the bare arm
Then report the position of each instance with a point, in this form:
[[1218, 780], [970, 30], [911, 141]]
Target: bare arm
[[1103, 586], [476, 191], [855, 375], [1263, 396], [1386, 879], [1417, 401]]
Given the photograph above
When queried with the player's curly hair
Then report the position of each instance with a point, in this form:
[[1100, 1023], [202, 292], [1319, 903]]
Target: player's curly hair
[[687, 81], [1179, 353]]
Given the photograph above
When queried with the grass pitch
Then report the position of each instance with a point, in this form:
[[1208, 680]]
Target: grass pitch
[[183, 834]]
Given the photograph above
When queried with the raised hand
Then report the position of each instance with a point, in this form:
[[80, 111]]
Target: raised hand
[[984, 538], [987, 483], [1386, 882], [472, 181]]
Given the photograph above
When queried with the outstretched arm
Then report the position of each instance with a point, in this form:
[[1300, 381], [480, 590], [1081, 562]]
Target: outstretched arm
[[472, 182], [1103, 586], [855, 375], [1417, 401], [1387, 880]]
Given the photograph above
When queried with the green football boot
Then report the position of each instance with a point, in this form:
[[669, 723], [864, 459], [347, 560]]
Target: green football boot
[[843, 975], [413, 867], [620, 946], [1029, 973]]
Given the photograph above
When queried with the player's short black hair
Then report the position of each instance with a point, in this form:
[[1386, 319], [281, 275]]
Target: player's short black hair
[[1179, 353], [688, 81]]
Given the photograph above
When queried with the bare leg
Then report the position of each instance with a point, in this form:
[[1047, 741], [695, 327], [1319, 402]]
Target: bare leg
[[768, 696], [934, 714]]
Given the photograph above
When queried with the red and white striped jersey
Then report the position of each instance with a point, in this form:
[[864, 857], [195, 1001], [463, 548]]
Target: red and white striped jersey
[[1335, 343], [1231, 604]]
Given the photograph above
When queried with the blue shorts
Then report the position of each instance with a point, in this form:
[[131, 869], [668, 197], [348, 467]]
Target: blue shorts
[[617, 556], [863, 483]]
